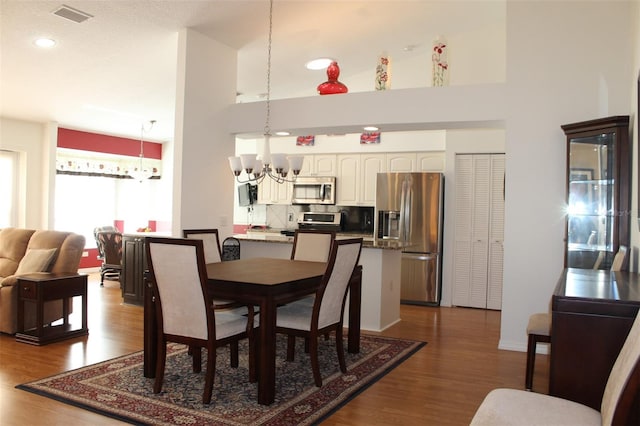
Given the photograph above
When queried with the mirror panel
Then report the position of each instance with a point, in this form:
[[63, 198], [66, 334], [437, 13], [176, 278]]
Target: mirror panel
[[591, 202], [596, 198]]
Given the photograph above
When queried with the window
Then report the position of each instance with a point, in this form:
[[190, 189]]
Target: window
[[8, 188], [83, 203]]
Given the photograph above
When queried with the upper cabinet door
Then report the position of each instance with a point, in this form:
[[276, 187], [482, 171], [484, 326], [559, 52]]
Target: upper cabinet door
[[598, 191], [401, 162], [324, 165]]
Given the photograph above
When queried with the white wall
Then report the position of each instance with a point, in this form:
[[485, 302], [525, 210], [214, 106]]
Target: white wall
[[561, 68], [29, 139], [203, 189]]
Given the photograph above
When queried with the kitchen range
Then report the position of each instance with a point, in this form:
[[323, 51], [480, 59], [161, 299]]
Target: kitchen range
[[357, 221]]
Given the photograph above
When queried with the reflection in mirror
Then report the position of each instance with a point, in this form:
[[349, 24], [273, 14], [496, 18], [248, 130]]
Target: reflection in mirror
[[591, 201]]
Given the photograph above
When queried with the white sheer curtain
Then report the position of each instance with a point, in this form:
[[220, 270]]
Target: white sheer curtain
[[8, 188], [83, 203]]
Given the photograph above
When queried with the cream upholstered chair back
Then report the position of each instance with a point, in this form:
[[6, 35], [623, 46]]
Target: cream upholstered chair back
[[626, 363], [312, 245], [179, 278], [343, 260], [210, 240], [618, 260]]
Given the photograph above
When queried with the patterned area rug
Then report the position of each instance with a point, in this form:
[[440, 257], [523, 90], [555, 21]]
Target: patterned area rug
[[118, 389]]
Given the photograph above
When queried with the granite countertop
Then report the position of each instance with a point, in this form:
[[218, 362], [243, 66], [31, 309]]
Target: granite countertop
[[274, 236]]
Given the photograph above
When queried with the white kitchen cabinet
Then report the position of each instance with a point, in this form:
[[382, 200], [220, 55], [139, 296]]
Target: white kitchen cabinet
[[356, 179], [479, 230], [401, 162], [348, 180], [271, 192], [430, 162], [370, 166], [319, 165]]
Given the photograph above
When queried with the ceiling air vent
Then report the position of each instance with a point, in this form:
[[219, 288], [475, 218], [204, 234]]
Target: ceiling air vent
[[72, 14]]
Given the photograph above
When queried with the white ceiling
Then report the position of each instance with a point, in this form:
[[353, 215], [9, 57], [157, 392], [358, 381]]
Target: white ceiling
[[116, 70]]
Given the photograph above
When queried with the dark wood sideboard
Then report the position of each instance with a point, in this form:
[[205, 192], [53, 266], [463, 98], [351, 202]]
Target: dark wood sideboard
[[593, 311], [134, 264]]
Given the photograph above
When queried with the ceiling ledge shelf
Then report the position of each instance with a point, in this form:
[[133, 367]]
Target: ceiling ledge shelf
[[429, 108]]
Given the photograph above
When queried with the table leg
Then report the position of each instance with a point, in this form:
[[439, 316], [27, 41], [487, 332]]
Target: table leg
[[40, 314], [355, 303], [85, 303], [267, 356]]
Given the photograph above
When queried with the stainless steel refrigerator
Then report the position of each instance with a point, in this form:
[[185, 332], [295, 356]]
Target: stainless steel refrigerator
[[409, 209]]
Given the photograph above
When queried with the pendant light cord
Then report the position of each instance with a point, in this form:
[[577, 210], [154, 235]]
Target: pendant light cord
[[151, 123], [267, 128]]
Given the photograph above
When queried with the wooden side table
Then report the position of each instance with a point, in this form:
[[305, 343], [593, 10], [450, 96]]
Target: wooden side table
[[40, 288]]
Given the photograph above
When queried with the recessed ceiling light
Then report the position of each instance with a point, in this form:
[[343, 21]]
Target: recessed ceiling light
[[371, 128], [282, 133], [45, 43], [318, 64]]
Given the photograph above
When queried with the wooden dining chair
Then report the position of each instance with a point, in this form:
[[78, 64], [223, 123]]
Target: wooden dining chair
[[538, 331], [185, 312], [312, 245], [212, 254], [619, 258], [210, 240], [618, 406], [327, 312]]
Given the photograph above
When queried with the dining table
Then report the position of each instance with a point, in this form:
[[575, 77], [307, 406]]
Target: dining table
[[267, 283]]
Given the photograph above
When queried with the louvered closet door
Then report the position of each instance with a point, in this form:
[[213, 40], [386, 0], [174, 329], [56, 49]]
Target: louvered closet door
[[478, 231], [463, 229], [496, 234]]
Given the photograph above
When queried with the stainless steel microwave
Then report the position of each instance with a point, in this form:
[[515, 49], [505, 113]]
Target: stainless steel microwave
[[314, 190]]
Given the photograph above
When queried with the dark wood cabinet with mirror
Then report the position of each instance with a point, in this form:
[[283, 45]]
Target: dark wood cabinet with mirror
[[598, 191]]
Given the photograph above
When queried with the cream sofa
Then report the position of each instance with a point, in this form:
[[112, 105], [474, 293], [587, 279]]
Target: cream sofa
[[24, 251]]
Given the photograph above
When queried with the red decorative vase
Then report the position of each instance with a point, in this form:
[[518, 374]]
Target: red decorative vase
[[332, 85]]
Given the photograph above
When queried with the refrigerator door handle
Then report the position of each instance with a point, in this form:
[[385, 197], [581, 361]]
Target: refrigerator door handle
[[420, 256], [403, 200], [405, 210]]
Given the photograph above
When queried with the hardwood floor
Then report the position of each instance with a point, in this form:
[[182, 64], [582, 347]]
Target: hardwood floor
[[442, 384]]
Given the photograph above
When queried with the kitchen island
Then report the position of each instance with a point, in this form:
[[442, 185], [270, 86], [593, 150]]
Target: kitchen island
[[380, 263]]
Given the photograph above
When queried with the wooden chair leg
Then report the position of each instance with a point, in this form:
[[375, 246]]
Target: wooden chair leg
[[209, 376], [291, 347], [340, 349], [233, 350], [196, 353], [315, 364], [531, 361], [160, 363]]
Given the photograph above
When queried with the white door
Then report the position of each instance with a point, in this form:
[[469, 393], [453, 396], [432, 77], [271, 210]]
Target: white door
[[479, 229]]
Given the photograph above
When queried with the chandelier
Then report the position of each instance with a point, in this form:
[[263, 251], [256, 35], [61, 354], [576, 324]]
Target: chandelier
[[275, 166], [141, 173]]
